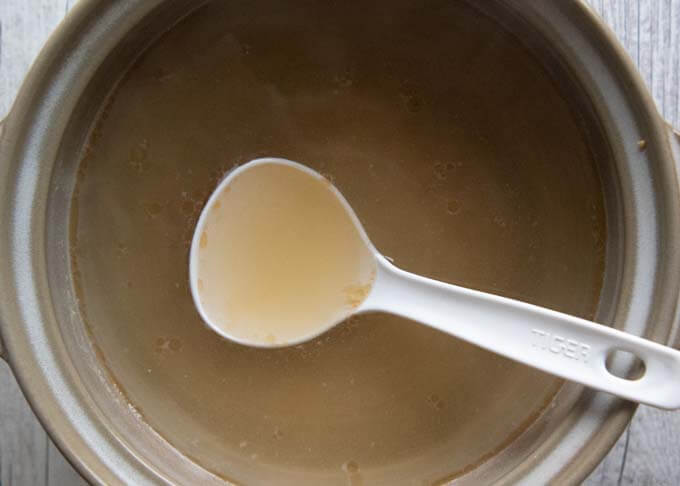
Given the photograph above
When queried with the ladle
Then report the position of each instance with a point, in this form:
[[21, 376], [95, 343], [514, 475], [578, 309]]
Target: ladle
[[305, 264]]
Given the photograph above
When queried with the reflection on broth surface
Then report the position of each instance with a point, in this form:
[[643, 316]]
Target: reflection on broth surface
[[460, 157]]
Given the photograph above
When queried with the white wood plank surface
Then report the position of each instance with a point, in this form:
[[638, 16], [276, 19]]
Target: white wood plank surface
[[647, 454]]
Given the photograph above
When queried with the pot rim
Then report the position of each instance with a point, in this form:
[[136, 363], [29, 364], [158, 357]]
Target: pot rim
[[617, 413], [54, 393]]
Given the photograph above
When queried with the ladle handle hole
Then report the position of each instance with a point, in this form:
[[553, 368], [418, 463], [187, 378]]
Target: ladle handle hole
[[625, 364]]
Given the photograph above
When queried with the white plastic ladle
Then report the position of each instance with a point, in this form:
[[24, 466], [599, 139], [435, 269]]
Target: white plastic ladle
[[557, 343]]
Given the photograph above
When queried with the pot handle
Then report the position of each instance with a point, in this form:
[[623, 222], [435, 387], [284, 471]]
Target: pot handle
[[674, 140], [3, 353]]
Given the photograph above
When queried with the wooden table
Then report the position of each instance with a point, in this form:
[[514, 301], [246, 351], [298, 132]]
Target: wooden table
[[648, 453]]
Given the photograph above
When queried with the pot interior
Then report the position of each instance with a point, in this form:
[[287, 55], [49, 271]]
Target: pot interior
[[466, 156]]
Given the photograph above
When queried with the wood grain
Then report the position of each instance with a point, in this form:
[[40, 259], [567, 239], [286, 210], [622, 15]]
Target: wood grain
[[647, 454]]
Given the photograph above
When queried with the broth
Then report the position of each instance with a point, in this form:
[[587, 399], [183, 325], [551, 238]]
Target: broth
[[460, 156], [279, 257]]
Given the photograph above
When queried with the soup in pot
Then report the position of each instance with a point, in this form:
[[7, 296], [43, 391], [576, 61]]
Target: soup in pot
[[461, 156]]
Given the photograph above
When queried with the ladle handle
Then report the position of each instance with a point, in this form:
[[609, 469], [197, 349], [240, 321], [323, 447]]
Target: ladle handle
[[551, 341]]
